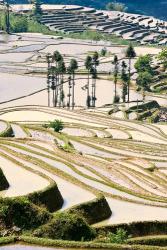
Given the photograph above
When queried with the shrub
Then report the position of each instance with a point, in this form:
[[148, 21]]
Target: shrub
[[3, 181], [103, 52], [119, 237], [66, 226], [21, 213], [117, 6], [57, 125]]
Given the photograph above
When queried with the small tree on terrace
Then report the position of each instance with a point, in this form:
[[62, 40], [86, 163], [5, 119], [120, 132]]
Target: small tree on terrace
[[88, 66], [57, 58], [61, 71], [143, 80], [72, 69], [163, 58], [103, 51], [95, 63], [130, 53], [124, 78], [115, 63], [143, 64], [57, 125]]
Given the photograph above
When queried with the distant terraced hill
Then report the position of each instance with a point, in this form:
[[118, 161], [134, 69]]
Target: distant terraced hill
[[149, 7]]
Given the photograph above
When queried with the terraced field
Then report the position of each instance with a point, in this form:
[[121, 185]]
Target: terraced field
[[124, 160], [77, 19], [100, 161]]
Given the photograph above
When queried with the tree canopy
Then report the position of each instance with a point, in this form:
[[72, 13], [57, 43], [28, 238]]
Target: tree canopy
[[117, 6]]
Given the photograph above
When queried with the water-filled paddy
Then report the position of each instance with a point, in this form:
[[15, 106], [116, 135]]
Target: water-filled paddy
[[14, 57], [13, 86], [26, 247], [24, 181], [29, 48]]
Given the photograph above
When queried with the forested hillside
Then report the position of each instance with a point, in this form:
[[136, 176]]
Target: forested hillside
[[156, 8]]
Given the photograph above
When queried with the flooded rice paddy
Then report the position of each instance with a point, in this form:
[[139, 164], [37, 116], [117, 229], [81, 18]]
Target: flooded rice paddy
[[124, 160]]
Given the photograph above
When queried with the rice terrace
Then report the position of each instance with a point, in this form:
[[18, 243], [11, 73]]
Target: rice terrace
[[83, 127]]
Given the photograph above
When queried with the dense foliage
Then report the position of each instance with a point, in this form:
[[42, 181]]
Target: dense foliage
[[22, 213], [66, 226], [18, 23], [116, 6], [57, 125]]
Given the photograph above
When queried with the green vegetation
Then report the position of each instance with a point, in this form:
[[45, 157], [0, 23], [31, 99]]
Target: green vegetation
[[115, 63], [88, 66], [57, 125], [26, 23], [116, 6], [143, 64], [7, 240], [103, 52], [73, 66], [82, 245], [154, 240], [163, 58], [3, 181], [18, 23], [130, 54], [37, 10], [144, 80], [66, 226], [148, 111], [8, 132], [21, 213], [136, 229], [119, 237], [124, 79]]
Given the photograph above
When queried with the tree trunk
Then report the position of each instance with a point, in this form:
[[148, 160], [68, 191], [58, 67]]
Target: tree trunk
[[73, 86], [88, 91], [115, 86], [53, 100], [48, 97], [129, 80]]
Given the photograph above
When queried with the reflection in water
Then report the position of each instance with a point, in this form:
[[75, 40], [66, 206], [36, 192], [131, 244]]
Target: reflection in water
[[25, 247]]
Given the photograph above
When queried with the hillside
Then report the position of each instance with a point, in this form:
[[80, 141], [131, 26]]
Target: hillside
[[149, 7]]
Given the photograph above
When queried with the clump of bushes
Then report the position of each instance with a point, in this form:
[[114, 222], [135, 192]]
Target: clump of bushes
[[3, 181], [57, 125], [66, 226], [119, 237], [22, 213]]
